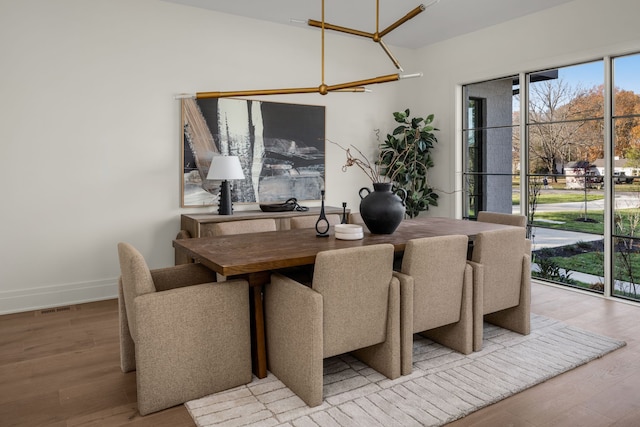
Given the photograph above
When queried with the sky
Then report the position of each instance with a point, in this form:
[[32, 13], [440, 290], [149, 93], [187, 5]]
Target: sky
[[626, 73]]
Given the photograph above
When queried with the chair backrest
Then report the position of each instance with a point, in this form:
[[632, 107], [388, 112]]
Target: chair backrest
[[502, 218], [136, 280], [244, 226], [354, 284], [355, 218], [309, 221], [506, 219], [437, 265], [501, 252]]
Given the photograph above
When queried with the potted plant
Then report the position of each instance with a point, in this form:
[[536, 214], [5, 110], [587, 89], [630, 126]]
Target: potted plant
[[405, 157]]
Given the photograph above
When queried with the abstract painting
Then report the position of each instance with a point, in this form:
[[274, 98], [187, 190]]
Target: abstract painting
[[281, 149]]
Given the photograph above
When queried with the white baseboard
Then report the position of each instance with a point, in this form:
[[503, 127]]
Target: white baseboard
[[58, 295]]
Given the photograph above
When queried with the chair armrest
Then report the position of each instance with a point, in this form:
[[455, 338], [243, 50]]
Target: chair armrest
[[295, 343], [192, 341], [177, 324], [185, 314], [297, 309], [181, 275]]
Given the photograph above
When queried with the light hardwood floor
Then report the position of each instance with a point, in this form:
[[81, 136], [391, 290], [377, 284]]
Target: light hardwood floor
[[61, 368]]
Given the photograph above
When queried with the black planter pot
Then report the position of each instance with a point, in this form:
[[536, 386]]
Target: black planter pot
[[381, 209]]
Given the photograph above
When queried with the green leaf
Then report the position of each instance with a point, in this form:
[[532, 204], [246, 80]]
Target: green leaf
[[405, 158], [400, 117]]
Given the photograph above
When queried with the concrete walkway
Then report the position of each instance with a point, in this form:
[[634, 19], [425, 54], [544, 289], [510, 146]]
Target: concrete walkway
[[550, 238]]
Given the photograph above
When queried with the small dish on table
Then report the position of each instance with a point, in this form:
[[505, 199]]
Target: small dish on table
[[348, 231]]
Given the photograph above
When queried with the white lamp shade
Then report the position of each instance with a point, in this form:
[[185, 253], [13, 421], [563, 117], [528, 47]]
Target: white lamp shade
[[225, 168]]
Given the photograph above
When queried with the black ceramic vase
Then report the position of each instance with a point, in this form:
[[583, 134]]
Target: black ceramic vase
[[381, 209]]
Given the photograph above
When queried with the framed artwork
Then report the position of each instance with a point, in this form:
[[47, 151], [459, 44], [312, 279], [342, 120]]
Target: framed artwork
[[281, 149]]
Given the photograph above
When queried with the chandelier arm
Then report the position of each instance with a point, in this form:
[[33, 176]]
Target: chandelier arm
[[357, 89], [231, 94], [327, 26], [390, 55], [374, 80], [402, 20], [377, 16], [259, 92]]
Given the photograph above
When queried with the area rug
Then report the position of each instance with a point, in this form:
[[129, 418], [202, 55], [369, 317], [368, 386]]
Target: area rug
[[444, 385]]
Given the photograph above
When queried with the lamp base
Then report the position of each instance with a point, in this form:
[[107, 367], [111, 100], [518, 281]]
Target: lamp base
[[224, 206]]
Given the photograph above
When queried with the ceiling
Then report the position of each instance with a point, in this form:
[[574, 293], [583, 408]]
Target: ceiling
[[443, 20]]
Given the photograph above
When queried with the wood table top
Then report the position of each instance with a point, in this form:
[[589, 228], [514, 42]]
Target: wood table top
[[258, 252]]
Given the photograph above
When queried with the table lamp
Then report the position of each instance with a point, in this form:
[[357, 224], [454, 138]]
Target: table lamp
[[225, 168]]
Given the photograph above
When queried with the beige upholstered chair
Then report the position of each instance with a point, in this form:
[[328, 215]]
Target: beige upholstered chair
[[502, 218], [436, 295], [185, 336], [353, 303], [309, 221], [506, 219], [244, 226], [355, 218], [502, 282]]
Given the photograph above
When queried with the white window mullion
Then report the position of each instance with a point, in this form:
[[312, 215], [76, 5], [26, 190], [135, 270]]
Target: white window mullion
[[524, 144], [609, 202]]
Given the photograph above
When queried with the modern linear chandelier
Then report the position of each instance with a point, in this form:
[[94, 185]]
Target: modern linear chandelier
[[323, 88]]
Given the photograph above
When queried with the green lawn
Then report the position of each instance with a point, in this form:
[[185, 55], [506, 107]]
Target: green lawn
[[559, 198], [569, 220], [573, 220], [592, 263]]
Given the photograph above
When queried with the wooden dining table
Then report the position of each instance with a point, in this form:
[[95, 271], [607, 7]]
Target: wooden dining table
[[253, 256]]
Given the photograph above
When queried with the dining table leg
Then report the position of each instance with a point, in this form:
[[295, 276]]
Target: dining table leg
[[258, 343]]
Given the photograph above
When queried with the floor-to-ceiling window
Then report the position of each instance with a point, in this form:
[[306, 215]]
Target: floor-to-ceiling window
[[578, 155], [491, 121], [626, 201], [565, 143]]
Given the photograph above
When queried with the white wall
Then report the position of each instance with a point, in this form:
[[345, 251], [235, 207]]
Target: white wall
[[90, 129], [90, 133]]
